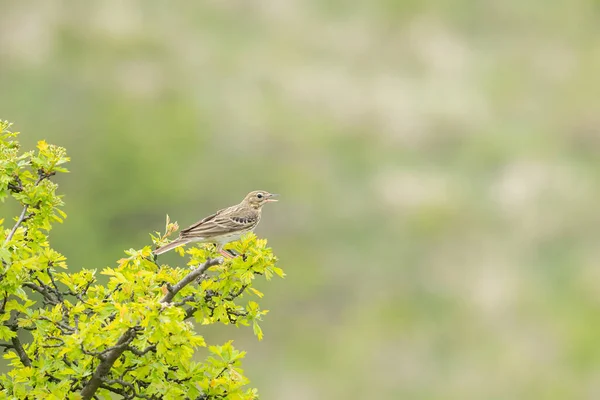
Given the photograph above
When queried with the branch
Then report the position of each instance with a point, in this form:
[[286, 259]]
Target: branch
[[189, 312], [43, 291], [83, 291], [62, 327], [233, 295], [189, 278], [41, 176], [17, 224], [109, 295], [18, 347], [141, 352], [184, 300], [89, 390], [59, 341], [4, 300], [127, 385], [16, 187], [56, 290], [121, 392]]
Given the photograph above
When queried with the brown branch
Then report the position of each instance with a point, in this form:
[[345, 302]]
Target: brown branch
[[141, 352], [233, 295], [18, 347], [16, 187], [189, 278], [49, 296], [189, 313], [184, 300], [109, 295], [4, 300]]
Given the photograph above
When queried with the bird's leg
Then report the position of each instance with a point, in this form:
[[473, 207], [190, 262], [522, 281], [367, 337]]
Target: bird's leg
[[223, 252]]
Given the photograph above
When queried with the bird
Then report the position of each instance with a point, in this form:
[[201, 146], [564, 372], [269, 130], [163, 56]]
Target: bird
[[224, 226]]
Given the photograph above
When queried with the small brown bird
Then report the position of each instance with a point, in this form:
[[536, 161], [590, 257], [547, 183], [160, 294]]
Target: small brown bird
[[226, 225]]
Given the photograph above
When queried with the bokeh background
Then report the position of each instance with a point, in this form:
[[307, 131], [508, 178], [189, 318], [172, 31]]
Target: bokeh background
[[437, 162]]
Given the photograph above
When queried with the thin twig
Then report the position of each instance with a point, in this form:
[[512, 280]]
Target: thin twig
[[56, 290], [233, 295], [41, 176], [17, 224]]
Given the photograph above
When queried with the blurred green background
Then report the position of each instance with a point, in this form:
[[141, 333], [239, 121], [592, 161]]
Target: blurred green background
[[437, 163]]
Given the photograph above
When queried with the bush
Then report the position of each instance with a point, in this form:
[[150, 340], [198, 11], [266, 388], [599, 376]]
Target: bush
[[67, 336]]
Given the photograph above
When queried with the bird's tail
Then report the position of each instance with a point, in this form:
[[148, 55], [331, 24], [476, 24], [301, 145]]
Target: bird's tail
[[170, 246]]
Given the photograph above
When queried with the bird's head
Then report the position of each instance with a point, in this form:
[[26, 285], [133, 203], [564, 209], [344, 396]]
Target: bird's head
[[259, 198]]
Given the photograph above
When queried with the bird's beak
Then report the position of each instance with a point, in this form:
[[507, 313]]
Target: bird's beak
[[271, 195]]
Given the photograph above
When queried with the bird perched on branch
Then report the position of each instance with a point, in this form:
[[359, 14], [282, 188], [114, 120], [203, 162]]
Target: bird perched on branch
[[224, 226]]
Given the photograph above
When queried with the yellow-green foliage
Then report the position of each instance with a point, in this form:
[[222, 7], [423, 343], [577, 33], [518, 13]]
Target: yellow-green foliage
[[66, 336]]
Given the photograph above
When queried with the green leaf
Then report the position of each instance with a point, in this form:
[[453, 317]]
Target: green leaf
[[6, 333]]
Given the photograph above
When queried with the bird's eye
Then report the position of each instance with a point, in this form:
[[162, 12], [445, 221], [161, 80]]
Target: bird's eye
[[260, 195]]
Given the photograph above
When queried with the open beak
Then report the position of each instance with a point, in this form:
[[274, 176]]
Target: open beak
[[271, 195]]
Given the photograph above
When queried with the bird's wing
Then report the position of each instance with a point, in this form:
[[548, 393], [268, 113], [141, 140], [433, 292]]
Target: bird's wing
[[227, 220]]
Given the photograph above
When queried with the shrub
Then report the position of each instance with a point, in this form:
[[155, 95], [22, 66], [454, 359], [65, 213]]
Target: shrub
[[66, 336]]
